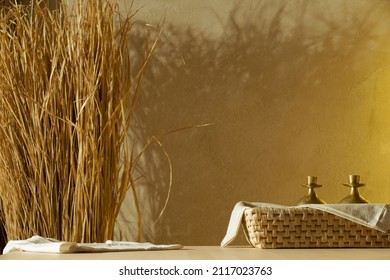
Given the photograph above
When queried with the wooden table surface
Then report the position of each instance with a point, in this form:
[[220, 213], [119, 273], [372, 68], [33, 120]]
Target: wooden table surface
[[215, 253]]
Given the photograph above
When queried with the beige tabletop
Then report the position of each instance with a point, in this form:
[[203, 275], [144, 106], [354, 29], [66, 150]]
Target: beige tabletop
[[215, 253]]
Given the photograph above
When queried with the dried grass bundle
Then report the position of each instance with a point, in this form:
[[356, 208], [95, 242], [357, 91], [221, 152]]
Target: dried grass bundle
[[67, 101]]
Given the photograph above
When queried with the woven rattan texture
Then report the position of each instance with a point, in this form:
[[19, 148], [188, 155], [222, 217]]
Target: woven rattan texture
[[308, 228]]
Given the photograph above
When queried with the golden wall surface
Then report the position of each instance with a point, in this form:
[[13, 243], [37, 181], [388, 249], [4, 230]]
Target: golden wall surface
[[293, 88]]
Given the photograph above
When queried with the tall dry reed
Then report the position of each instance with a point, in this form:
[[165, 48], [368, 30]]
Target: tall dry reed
[[67, 100]]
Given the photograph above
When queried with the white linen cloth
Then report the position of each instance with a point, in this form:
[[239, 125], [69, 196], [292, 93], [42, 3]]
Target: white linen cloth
[[49, 245], [376, 216]]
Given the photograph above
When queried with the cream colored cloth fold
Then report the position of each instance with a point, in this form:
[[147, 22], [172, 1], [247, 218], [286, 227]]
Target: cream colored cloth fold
[[49, 245], [376, 216]]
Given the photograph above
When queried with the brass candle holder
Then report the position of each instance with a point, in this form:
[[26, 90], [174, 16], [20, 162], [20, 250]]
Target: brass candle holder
[[354, 196], [311, 197]]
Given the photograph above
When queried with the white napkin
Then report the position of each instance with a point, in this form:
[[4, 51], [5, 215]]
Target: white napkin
[[49, 245], [376, 216]]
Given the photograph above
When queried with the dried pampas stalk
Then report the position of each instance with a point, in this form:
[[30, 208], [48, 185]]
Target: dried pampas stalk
[[67, 100]]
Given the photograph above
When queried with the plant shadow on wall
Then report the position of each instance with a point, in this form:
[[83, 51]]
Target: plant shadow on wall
[[282, 83]]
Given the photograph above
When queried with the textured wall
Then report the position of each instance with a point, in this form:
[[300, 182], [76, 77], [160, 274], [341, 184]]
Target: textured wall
[[294, 88]]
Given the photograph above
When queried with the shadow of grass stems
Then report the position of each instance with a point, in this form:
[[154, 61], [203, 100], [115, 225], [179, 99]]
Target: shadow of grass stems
[[270, 53]]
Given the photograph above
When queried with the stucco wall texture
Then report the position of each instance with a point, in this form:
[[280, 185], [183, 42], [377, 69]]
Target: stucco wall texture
[[292, 88]]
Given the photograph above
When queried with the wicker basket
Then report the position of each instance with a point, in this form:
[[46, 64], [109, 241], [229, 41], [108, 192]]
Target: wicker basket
[[268, 227]]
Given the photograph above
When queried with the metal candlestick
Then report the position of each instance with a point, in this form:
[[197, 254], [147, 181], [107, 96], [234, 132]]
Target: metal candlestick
[[311, 197], [354, 196]]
